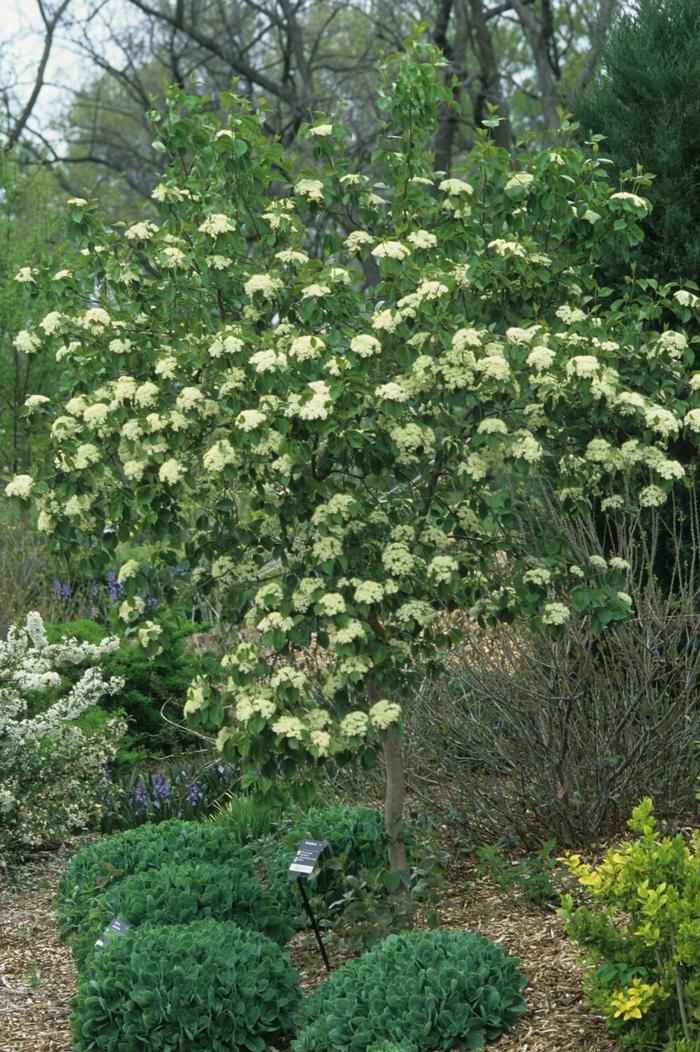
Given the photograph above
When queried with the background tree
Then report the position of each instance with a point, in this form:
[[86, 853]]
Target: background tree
[[297, 58], [18, 101], [646, 102]]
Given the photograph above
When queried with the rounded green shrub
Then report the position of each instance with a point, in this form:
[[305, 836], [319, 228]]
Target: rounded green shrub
[[355, 841], [93, 869], [423, 991], [207, 986], [181, 894]]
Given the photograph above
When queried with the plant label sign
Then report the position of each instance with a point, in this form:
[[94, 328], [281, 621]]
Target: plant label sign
[[308, 854], [114, 928]]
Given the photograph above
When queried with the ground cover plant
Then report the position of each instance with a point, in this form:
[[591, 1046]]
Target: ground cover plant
[[178, 894], [532, 876], [97, 866], [426, 991], [639, 935], [206, 986], [330, 409]]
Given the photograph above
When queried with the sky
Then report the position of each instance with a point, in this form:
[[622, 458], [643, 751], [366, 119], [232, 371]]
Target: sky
[[21, 44]]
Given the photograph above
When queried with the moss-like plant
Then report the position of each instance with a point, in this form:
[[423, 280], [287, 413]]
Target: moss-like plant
[[208, 986], [93, 869], [423, 991], [184, 893]]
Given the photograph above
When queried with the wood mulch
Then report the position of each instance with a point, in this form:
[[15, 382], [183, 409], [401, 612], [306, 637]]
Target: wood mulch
[[37, 973]]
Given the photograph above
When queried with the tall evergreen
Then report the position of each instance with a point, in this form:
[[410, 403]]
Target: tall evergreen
[[646, 102]]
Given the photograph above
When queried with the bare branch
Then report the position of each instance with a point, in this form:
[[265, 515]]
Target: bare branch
[[51, 22]]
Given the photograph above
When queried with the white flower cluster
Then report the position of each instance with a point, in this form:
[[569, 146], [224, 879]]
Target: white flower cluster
[[49, 768]]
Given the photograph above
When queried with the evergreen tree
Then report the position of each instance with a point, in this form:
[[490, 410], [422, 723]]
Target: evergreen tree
[[646, 102]]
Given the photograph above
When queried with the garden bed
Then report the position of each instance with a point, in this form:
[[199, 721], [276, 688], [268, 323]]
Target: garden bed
[[37, 973]]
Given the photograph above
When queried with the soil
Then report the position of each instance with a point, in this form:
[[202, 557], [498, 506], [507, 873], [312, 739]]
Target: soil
[[38, 976]]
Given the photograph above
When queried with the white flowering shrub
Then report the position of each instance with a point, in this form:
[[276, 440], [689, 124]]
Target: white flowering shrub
[[51, 771], [330, 400]]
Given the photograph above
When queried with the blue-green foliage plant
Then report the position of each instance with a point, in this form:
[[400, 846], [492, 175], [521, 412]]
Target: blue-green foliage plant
[[208, 986], [95, 867], [179, 894], [424, 991]]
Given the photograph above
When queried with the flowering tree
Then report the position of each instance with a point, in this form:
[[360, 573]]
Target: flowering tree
[[50, 770], [340, 444]]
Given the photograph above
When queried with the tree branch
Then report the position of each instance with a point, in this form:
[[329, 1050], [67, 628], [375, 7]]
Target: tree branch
[[50, 24]]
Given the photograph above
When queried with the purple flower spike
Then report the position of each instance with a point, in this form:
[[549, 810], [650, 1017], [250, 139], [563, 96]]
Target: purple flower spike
[[115, 590], [139, 798], [161, 786]]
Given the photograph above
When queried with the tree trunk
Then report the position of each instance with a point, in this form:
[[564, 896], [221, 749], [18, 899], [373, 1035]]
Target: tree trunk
[[395, 793], [491, 90], [597, 31], [455, 53], [540, 37]]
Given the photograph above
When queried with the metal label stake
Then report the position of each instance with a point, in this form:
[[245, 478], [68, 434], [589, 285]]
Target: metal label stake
[[304, 866]]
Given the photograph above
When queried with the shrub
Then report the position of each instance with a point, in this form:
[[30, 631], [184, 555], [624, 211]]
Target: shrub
[[356, 841], [178, 894], [641, 935], [208, 986], [50, 768], [93, 869], [422, 990], [544, 737], [152, 682], [406, 389]]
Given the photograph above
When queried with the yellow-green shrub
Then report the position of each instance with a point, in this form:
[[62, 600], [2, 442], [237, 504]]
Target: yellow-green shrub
[[641, 934]]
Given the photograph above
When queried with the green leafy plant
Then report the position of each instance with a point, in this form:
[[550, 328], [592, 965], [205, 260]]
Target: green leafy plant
[[248, 819], [425, 990], [330, 409], [367, 910], [174, 790], [391, 1046], [152, 682], [95, 867], [356, 842], [641, 934], [178, 894], [532, 877], [208, 986]]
